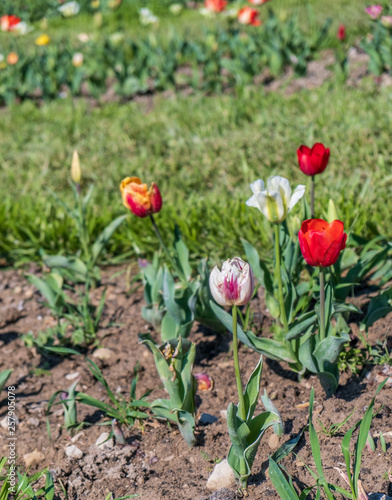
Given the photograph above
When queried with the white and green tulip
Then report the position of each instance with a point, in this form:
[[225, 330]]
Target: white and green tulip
[[275, 200]]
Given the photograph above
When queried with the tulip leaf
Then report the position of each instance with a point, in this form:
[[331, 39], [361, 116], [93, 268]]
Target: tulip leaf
[[329, 382], [182, 254], [379, 307], [72, 264], [104, 238], [180, 314], [186, 425], [305, 354], [271, 348], [329, 310], [204, 314], [260, 270], [252, 390], [153, 316], [288, 446], [50, 287], [284, 489], [269, 406], [328, 349], [301, 325], [4, 376], [272, 304], [172, 383], [245, 438]]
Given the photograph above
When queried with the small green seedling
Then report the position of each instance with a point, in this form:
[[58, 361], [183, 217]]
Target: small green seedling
[[334, 428]]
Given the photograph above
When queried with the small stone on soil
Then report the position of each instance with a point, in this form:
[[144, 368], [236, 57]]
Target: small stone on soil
[[33, 458], [273, 441], [72, 376], [33, 421], [103, 353], [103, 442], [223, 414], [222, 476], [73, 451]]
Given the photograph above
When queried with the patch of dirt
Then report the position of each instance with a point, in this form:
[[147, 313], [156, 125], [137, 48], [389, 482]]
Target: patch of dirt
[[156, 463]]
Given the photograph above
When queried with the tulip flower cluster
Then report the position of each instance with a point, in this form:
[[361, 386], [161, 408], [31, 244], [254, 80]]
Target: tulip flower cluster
[[246, 15]]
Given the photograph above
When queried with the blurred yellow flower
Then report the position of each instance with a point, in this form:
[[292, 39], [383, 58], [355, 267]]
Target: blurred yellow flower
[[42, 40], [76, 173], [95, 4]]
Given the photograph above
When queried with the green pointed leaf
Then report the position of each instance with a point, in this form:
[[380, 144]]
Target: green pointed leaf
[[182, 254], [104, 238], [72, 264], [282, 486], [252, 390], [186, 425], [301, 325], [259, 269], [4, 376], [329, 382], [172, 383]]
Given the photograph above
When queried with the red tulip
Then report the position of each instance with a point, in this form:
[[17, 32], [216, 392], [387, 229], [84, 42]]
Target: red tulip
[[8, 23], [341, 33], [321, 242], [250, 16], [313, 161], [140, 200], [215, 5]]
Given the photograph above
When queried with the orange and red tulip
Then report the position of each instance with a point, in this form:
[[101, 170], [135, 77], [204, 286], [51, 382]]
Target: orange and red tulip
[[140, 200]]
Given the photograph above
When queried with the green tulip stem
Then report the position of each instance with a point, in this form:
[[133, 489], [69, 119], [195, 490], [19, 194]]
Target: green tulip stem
[[237, 367], [83, 234], [312, 197], [279, 278], [166, 250], [322, 304]]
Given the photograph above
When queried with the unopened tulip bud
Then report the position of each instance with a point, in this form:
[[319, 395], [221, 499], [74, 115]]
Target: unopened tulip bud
[[234, 284], [204, 382], [332, 213], [76, 173]]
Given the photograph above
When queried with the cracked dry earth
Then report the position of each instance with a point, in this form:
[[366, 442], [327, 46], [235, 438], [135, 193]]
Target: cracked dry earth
[[156, 463]]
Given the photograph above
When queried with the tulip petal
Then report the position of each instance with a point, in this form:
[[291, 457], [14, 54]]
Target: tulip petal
[[216, 286], [271, 206], [305, 249], [257, 186], [252, 202], [297, 195]]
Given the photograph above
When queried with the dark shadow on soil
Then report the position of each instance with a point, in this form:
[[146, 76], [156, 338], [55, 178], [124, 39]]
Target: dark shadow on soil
[[211, 345], [279, 370], [9, 337], [351, 390]]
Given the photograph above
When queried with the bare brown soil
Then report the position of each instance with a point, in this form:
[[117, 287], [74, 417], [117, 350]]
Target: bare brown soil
[[157, 464]]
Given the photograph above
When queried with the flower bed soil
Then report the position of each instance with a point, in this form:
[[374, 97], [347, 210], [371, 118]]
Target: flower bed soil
[[157, 464]]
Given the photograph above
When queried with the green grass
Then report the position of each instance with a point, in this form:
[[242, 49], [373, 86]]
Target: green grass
[[203, 152]]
